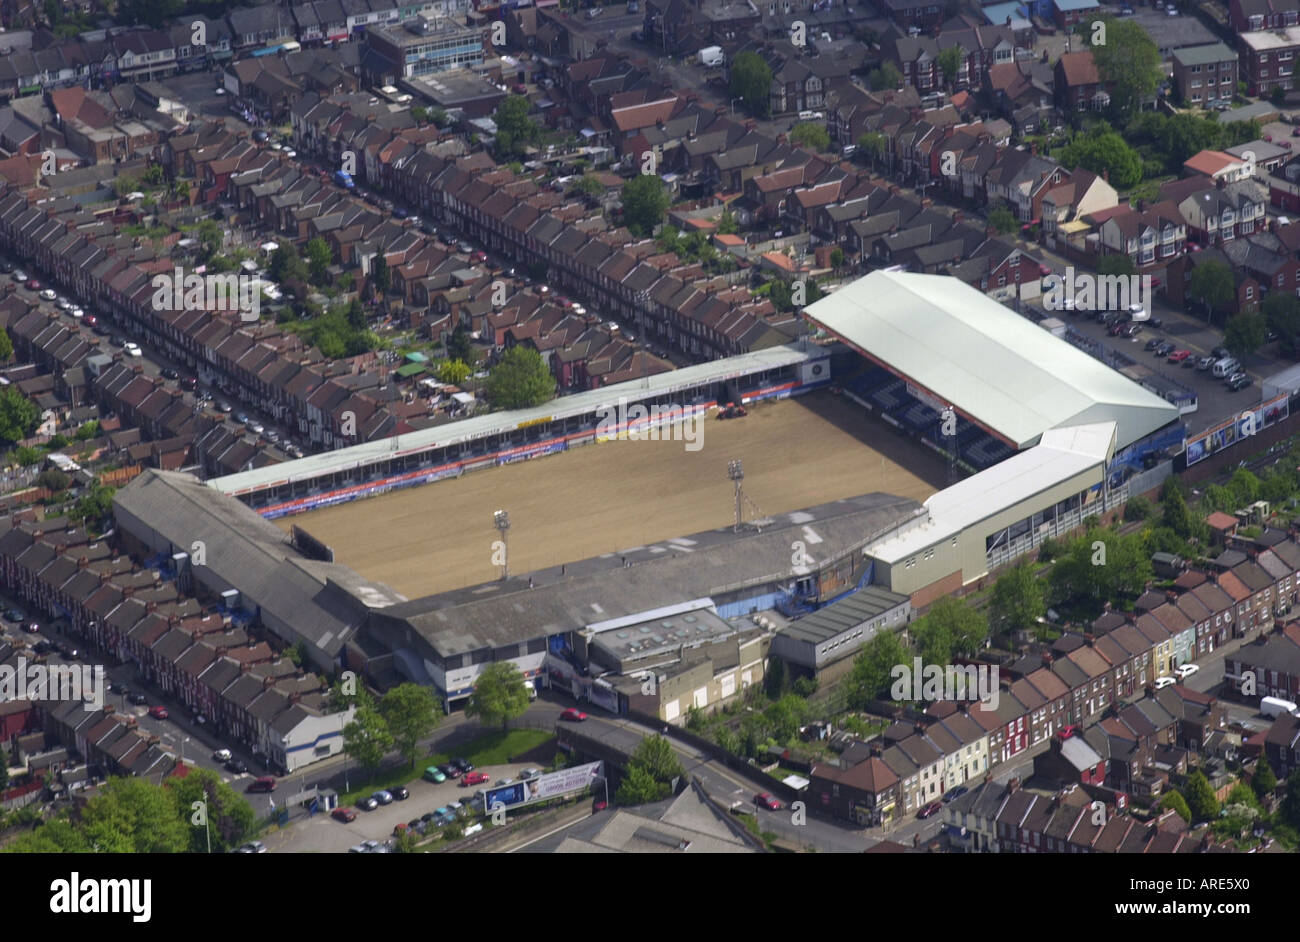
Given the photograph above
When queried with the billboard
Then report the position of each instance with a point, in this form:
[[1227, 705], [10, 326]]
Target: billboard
[[1237, 428], [550, 785]]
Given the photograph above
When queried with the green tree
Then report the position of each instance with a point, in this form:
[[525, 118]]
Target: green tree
[[1017, 600], [645, 201], [1291, 803], [1128, 62], [1245, 333], [885, 78], [950, 627], [453, 371], [1244, 487], [460, 347], [950, 61], [1002, 219], [811, 135], [516, 131], [1104, 151], [587, 185], [59, 836], [380, 275], [1172, 799], [18, 415], [873, 144], [1212, 284], [1138, 508], [356, 315], [639, 787], [655, 755], [411, 713], [751, 81], [1282, 312], [774, 679], [87, 430], [286, 264], [1116, 263], [520, 380], [230, 817], [1264, 781], [785, 717], [1177, 517], [837, 258], [136, 816], [319, 259], [727, 223], [499, 695], [367, 738], [53, 480], [870, 676], [1200, 797], [6, 345]]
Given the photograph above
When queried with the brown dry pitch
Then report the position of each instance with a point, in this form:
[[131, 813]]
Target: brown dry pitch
[[601, 498]]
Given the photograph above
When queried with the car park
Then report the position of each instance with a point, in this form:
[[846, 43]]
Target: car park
[[158, 712]]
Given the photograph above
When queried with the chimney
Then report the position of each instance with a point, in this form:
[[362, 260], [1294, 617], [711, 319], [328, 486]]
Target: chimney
[[60, 549], [150, 606], [82, 562], [173, 621], [1013, 784], [128, 591], [103, 577], [876, 749], [920, 729]]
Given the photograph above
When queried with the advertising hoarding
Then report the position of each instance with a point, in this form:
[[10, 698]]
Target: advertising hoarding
[[1237, 428]]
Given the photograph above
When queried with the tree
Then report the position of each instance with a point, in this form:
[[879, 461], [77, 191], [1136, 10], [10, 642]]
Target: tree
[[1017, 600], [53, 480], [1245, 333], [520, 380], [639, 787], [1282, 312], [1138, 508], [459, 346], [1116, 263], [950, 61], [1128, 61], [727, 223], [870, 675], [1244, 487], [1002, 219], [411, 713], [1264, 781], [136, 816], [59, 836], [1212, 283], [1291, 803], [950, 627], [6, 345], [588, 185], [873, 144], [655, 755], [380, 276], [1104, 151], [751, 81], [1177, 517], [515, 130], [367, 738], [837, 258], [87, 430], [356, 315], [1173, 799], [645, 201], [499, 694], [230, 817], [1200, 797], [811, 135], [286, 264], [885, 78], [453, 371], [18, 415], [319, 258], [774, 679]]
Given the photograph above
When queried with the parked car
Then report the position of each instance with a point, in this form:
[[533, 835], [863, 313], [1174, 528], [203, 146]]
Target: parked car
[[31, 627], [1164, 349], [168, 373], [526, 774], [449, 770], [264, 784], [46, 295], [368, 804], [573, 715], [1239, 383], [136, 697], [400, 793], [1153, 343], [222, 755], [252, 847], [237, 766], [158, 712], [383, 797], [1220, 352], [463, 764], [953, 794], [475, 778], [1164, 681], [932, 808], [434, 774], [768, 801], [1187, 670], [1178, 356], [1204, 363], [346, 815], [1131, 330]]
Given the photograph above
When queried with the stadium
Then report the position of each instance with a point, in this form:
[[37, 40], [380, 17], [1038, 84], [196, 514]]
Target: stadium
[[1039, 437]]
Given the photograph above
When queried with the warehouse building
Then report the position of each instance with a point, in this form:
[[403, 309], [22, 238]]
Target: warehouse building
[[831, 636]]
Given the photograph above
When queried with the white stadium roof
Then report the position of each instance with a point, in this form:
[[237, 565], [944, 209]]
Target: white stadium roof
[[991, 364], [1062, 454]]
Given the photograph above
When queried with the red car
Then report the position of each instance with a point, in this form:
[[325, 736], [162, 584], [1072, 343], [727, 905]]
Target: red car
[[346, 815], [158, 712], [573, 716], [764, 800], [1178, 356], [33, 285], [475, 778], [932, 808]]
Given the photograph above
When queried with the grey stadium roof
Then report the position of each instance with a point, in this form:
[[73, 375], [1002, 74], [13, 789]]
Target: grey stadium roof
[[712, 563], [344, 460], [251, 554], [862, 606], [988, 362]]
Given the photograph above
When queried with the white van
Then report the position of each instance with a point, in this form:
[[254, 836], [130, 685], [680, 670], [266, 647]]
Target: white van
[[1226, 367]]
